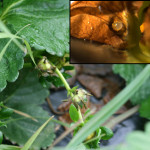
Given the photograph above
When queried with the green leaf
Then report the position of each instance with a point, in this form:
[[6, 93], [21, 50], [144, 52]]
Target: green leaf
[[109, 109], [107, 133], [34, 136], [129, 72], [66, 75], [73, 112], [11, 62], [49, 21], [56, 81], [93, 142], [9, 147], [66, 68], [73, 90], [5, 113], [30, 51], [44, 82], [9, 32], [145, 109], [2, 124], [26, 95], [139, 140]]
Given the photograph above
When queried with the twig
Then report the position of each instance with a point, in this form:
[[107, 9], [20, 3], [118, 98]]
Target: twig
[[22, 113], [25, 115], [64, 134], [57, 127], [115, 120], [52, 109]]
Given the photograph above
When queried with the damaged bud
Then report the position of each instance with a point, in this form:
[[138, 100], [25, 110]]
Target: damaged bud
[[80, 98], [45, 66]]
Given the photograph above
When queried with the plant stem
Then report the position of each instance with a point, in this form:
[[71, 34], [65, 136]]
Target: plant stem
[[63, 79], [80, 115], [68, 89]]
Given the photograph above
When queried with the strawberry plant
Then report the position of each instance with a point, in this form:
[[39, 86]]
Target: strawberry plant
[[34, 43], [34, 46]]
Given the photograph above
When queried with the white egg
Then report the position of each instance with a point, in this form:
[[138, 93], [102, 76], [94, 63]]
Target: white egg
[[117, 26]]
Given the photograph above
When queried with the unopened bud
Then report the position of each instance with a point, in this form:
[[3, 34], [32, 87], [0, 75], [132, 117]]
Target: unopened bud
[[80, 97], [45, 66]]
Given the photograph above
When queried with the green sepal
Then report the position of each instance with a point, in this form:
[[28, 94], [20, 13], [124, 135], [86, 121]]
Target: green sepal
[[66, 75], [66, 68], [56, 81], [87, 111], [73, 90]]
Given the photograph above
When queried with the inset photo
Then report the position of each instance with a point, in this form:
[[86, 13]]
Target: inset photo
[[109, 32]]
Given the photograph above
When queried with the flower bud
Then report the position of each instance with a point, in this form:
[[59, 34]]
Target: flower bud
[[45, 66], [80, 97]]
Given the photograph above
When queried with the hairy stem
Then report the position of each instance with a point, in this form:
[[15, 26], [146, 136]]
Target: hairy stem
[[63, 79], [68, 89]]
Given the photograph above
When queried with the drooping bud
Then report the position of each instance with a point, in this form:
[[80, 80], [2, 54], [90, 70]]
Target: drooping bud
[[80, 97]]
